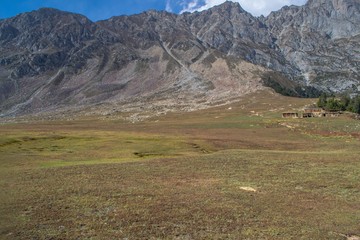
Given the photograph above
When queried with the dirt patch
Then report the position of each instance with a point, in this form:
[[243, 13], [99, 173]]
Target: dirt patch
[[353, 238], [248, 189]]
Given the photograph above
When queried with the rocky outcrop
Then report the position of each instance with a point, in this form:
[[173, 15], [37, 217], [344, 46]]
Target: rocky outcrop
[[321, 39], [50, 59]]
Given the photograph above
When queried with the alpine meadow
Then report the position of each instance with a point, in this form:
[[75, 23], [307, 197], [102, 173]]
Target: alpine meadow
[[205, 125]]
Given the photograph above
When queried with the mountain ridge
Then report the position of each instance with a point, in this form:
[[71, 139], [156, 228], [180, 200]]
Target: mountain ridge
[[50, 59]]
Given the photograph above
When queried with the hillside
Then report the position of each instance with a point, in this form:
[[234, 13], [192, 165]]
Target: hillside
[[55, 61]]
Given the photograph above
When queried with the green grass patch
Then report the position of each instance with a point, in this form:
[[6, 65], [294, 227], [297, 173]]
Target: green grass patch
[[244, 173]]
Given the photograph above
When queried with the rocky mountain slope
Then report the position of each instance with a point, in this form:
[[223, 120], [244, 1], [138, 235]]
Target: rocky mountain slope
[[52, 60], [322, 39]]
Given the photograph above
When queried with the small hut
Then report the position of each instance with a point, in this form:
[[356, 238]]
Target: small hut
[[313, 112], [290, 115], [307, 115], [332, 114]]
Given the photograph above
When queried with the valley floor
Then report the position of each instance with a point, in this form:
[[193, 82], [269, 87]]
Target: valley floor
[[232, 172]]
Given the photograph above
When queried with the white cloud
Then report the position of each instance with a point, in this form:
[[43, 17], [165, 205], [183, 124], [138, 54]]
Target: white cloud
[[168, 7], [191, 6], [255, 7]]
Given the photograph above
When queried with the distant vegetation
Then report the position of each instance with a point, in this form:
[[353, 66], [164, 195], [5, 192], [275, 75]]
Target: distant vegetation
[[286, 88], [343, 103]]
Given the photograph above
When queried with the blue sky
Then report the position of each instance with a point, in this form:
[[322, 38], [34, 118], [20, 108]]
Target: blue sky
[[103, 9], [93, 9]]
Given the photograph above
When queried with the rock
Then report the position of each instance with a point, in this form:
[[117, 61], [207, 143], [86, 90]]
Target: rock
[[52, 60], [321, 39]]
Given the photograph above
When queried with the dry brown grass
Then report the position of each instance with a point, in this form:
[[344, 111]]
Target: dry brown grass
[[182, 176]]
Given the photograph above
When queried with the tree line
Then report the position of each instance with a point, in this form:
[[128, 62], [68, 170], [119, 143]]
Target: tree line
[[342, 103]]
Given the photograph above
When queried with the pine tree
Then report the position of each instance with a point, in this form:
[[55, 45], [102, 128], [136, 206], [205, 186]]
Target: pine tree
[[322, 100], [356, 106]]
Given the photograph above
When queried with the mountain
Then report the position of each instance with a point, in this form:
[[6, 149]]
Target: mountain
[[322, 39], [52, 60]]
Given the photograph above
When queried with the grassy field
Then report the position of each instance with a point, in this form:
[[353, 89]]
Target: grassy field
[[231, 172]]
